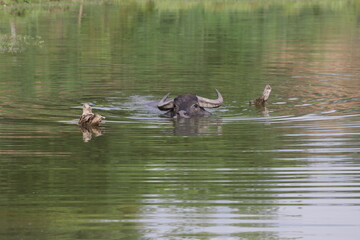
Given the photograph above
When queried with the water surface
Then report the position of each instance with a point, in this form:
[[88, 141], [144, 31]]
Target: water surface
[[287, 171]]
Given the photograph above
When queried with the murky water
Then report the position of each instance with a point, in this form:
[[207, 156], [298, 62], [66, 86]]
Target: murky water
[[287, 171]]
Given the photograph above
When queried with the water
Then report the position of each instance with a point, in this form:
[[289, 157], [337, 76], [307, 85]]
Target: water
[[287, 171]]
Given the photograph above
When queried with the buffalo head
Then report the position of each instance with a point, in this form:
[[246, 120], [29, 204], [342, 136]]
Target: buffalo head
[[189, 105]]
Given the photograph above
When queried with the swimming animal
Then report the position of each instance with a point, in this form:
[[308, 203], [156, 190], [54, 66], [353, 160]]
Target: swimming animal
[[189, 105]]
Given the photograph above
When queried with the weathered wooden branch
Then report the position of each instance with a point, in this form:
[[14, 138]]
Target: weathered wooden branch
[[88, 118], [261, 101]]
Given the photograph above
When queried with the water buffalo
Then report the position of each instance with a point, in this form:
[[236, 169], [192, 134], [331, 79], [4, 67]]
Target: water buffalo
[[189, 105]]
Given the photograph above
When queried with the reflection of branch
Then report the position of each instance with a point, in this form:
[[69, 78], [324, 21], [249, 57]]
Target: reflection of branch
[[265, 112], [81, 9], [13, 35], [88, 132], [13, 29]]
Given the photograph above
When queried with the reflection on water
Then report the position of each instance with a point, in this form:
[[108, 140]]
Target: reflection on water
[[15, 43], [263, 110], [91, 131], [289, 170], [197, 126]]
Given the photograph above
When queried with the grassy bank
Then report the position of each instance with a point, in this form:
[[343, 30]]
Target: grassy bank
[[16, 2], [28, 2], [24, 8]]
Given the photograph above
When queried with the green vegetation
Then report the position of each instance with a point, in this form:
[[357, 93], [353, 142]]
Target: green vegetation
[[175, 23], [18, 2], [233, 5], [18, 43]]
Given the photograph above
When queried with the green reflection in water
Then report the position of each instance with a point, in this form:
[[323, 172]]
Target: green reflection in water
[[244, 172]]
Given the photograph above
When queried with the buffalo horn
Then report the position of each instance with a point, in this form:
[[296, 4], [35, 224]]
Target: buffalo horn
[[166, 104], [211, 103]]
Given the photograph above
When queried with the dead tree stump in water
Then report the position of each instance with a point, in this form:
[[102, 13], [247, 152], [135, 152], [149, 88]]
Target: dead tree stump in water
[[260, 102], [88, 118]]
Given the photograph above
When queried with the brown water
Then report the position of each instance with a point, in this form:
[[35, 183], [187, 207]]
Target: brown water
[[287, 171]]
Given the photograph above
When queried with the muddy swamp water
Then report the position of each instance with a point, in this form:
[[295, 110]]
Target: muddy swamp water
[[287, 171]]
